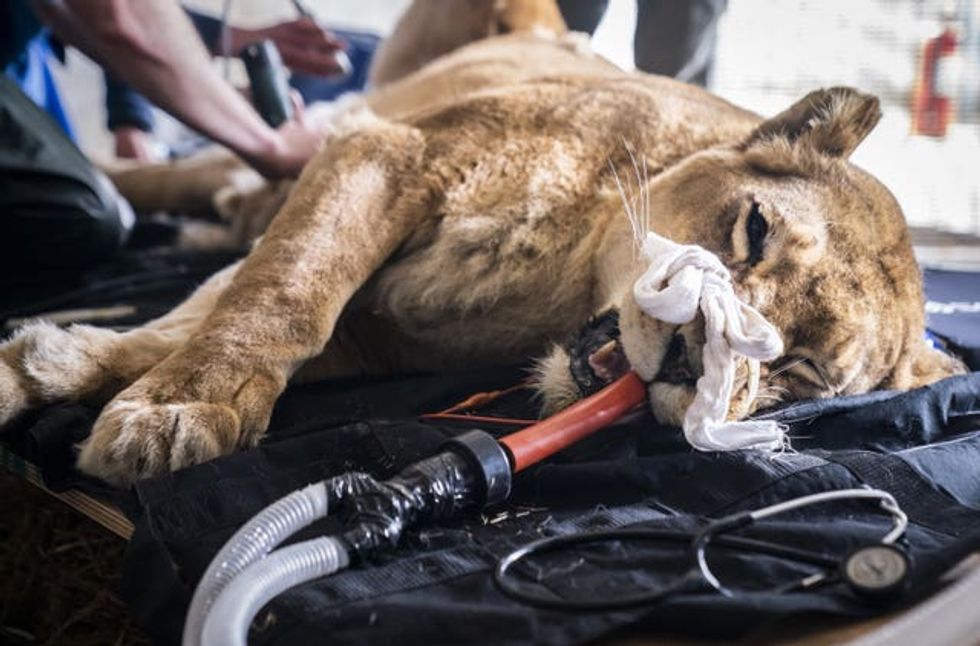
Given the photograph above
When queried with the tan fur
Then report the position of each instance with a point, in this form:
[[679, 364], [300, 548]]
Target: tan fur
[[431, 28], [187, 186], [478, 220], [552, 378]]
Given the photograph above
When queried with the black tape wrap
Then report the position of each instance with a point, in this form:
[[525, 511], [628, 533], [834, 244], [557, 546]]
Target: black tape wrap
[[430, 490], [342, 488]]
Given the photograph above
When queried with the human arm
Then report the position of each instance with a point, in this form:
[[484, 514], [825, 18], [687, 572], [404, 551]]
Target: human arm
[[305, 46], [151, 45]]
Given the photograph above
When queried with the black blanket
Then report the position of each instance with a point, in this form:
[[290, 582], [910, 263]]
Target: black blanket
[[922, 446]]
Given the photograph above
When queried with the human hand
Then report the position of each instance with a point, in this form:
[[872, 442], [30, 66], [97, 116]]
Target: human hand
[[304, 45], [133, 143], [293, 144]]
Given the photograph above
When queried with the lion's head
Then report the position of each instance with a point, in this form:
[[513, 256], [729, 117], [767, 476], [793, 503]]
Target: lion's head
[[816, 244]]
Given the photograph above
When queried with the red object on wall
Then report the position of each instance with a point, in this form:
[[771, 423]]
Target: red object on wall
[[931, 111]]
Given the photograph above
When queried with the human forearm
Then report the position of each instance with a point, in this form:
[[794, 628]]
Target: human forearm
[[151, 45]]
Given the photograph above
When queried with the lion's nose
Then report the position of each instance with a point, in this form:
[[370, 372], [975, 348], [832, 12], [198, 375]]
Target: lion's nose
[[676, 368]]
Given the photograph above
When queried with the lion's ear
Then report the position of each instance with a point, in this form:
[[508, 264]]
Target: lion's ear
[[833, 121]]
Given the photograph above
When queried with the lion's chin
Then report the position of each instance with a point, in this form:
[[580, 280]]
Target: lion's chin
[[669, 402], [675, 386], [671, 391]]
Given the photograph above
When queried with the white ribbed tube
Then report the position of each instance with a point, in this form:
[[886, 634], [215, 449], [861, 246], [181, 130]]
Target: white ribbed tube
[[232, 613], [681, 280], [253, 541]]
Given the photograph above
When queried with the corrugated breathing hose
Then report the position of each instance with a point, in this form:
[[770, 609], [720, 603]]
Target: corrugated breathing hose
[[474, 470]]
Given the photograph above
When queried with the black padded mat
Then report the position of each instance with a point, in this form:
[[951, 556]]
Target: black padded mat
[[632, 474]]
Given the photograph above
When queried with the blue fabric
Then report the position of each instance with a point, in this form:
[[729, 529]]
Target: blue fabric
[[31, 73], [953, 310], [25, 50], [125, 106], [583, 16], [936, 463]]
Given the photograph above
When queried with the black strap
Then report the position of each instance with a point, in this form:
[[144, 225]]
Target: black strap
[[925, 504]]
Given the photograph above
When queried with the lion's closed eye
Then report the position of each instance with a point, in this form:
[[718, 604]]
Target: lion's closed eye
[[756, 229], [750, 234]]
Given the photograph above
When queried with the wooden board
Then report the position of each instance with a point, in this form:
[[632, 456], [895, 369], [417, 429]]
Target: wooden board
[[101, 512]]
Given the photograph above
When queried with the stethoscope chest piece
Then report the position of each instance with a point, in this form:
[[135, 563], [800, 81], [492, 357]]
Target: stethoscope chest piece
[[880, 570]]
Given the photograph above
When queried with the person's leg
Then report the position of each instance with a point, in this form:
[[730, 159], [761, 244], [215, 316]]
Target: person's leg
[[583, 15], [677, 38], [56, 209]]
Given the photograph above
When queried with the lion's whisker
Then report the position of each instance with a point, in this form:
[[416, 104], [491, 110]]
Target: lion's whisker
[[646, 198], [634, 223], [788, 366], [774, 389], [636, 175]]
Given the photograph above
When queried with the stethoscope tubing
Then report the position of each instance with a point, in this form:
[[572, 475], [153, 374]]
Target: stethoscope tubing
[[698, 578], [715, 529], [690, 582]]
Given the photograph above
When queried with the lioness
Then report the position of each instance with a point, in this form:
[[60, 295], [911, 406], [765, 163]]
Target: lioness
[[474, 214]]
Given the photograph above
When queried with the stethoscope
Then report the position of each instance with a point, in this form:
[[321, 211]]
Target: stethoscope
[[876, 571]]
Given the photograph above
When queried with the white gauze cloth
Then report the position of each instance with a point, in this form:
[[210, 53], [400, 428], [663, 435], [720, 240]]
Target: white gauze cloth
[[680, 280]]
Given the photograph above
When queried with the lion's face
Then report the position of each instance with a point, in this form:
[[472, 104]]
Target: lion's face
[[817, 245]]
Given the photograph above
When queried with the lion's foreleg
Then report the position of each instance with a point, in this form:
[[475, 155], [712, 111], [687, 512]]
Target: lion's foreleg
[[184, 186], [354, 204]]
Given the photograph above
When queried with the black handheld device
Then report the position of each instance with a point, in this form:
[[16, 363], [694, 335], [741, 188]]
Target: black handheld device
[[267, 77]]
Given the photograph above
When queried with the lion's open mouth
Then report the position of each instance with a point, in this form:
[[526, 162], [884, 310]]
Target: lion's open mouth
[[598, 358], [676, 368], [596, 355]]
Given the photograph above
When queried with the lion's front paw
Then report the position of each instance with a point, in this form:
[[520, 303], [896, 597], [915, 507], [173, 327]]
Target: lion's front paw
[[135, 439], [14, 397], [42, 363]]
